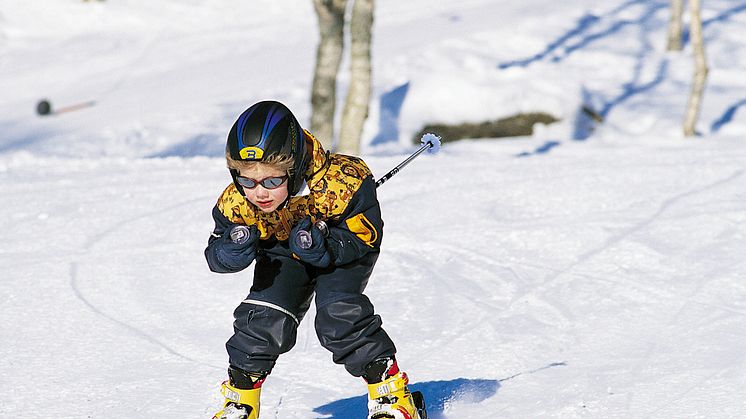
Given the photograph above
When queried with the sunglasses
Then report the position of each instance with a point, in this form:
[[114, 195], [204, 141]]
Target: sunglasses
[[268, 182]]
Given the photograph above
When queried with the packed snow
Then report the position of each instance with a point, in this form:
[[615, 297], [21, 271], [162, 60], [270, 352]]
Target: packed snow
[[588, 270]]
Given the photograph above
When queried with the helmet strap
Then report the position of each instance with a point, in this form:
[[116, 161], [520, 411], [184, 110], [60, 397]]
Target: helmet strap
[[239, 188]]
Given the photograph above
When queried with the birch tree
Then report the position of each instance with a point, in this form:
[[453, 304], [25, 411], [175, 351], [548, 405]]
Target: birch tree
[[330, 14], [358, 96], [675, 26], [700, 69]]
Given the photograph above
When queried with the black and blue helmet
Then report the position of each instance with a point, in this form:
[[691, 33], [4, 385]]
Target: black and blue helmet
[[265, 129]]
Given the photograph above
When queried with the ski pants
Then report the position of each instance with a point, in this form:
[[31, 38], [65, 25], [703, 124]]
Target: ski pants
[[266, 322]]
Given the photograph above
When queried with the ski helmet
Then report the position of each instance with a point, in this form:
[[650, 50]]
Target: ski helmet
[[269, 128]]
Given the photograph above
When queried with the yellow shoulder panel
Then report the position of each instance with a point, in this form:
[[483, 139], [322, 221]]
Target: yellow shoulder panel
[[333, 191]]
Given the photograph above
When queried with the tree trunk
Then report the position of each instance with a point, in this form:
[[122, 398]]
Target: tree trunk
[[700, 70], [328, 57], [358, 97], [675, 26]]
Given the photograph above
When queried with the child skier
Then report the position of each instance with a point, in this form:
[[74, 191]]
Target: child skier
[[325, 242]]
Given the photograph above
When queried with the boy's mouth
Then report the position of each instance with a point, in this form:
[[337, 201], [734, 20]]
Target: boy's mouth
[[264, 204]]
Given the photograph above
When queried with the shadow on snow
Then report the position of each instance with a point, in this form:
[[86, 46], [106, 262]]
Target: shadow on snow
[[727, 116], [721, 17], [390, 110], [207, 145], [438, 394], [585, 32], [582, 36], [542, 149], [16, 138], [636, 85]]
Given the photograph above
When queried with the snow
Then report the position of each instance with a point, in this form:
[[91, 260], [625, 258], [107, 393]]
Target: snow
[[589, 270]]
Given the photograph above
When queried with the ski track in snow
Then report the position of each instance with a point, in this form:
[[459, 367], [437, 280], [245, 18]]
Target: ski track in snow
[[88, 249], [554, 279], [132, 329]]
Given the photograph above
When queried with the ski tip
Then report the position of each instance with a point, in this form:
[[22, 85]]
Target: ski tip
[[433, 140]]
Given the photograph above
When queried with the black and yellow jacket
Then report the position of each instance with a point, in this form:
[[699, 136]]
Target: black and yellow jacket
[[342, 193]]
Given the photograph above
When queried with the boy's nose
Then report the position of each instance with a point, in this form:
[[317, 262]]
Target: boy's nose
[[261, 191]]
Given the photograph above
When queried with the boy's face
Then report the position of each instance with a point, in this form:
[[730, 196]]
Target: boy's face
[[264, 198]]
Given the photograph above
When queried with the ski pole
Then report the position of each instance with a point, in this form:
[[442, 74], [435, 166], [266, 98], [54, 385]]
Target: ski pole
[[430, 142], [44, 107]]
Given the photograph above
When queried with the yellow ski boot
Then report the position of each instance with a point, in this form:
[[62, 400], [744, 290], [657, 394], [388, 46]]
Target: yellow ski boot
[[241, 403], [391, 398]]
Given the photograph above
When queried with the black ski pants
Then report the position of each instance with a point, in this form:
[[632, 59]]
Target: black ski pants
[[266, 322]]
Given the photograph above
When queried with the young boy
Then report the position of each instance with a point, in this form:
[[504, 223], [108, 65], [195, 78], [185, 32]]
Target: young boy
[[324, 243]]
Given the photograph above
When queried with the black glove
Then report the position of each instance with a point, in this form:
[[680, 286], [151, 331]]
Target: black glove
[[236, 256], [316, 254]]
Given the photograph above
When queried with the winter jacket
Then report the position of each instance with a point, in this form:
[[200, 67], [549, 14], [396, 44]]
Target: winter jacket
[[342, 192]]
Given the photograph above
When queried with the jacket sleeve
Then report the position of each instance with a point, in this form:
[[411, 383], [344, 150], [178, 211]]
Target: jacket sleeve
[[222, 226], [360, 228]]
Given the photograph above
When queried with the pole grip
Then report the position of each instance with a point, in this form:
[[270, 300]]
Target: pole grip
[[303, 238]]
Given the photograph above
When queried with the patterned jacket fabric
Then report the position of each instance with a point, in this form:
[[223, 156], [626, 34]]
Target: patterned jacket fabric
[[342, 192]]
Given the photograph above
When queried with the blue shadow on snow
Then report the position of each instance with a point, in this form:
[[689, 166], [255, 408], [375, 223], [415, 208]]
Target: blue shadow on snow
[[584, 125], [581, 35], [542, 149], [636, 85], [721, 17], [20, 137], [585, 22], [207, 145], [437, 395], [727, 116], [388, 120]]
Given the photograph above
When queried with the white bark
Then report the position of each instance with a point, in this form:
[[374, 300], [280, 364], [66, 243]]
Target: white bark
[[700, 70], [675, 26], [358, 97], [330, 14]]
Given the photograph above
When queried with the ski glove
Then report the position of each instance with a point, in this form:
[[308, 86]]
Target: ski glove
[[236, 256], [316, 255]]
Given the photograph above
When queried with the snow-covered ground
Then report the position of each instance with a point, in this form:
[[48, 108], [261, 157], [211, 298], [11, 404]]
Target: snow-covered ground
[[585, 271]]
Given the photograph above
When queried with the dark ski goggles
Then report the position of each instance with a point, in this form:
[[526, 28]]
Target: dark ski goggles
[[268, 182]]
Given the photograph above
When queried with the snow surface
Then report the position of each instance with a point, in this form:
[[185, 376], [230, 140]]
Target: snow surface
[[585, 271]]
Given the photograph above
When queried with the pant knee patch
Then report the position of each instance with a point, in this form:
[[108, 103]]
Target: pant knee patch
[[260, 335], [351, 330]]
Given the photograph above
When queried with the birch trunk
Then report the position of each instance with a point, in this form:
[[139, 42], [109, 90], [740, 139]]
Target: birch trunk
[[358, 97], [700, 70], [328, 57], [675, 26]]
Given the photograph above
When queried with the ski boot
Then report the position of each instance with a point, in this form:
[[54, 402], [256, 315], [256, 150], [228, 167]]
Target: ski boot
[[389, 396], [241, 393]]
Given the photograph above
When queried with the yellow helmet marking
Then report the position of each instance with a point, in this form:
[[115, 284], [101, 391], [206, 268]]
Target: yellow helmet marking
[[252, 153]]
